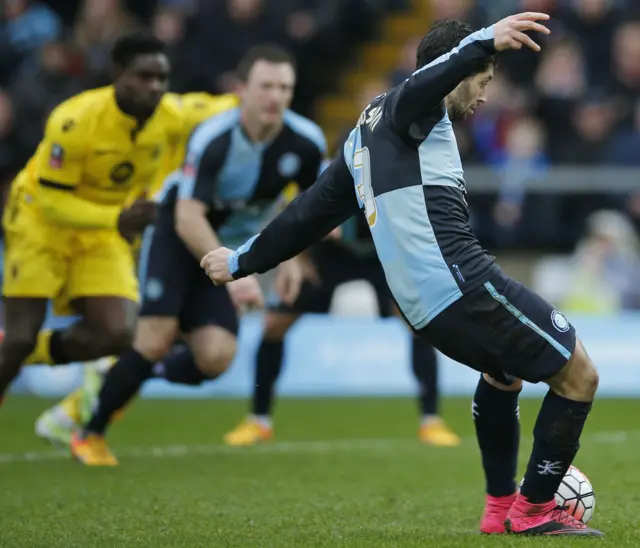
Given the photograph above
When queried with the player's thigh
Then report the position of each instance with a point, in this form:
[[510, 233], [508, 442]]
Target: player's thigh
[[23, 319], [578, 379], [114, 317], [213, 347], [207, 305], [505, 330], [102, 265], [154, 336], [167, 271], [35, 263]]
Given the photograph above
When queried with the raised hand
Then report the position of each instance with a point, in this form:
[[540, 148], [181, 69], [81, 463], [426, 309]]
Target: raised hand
[[509, 33]]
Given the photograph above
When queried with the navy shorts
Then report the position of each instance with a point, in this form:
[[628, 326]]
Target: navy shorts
[[173, 284], [337, 264], [505, 330]]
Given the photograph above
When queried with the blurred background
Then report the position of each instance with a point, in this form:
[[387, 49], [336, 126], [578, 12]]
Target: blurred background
[[552, 161]]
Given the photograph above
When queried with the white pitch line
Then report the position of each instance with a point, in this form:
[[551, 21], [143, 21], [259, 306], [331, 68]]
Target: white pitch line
[[291, 447]]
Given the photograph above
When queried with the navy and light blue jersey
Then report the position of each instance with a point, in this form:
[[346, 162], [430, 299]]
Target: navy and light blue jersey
[[239, 180], [402, 160]]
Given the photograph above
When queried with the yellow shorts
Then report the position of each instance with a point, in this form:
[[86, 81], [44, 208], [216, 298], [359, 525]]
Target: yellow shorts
[[64, 264]]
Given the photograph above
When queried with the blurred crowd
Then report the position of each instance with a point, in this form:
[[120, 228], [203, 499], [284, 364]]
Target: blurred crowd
[[50, 50], [578, 102]]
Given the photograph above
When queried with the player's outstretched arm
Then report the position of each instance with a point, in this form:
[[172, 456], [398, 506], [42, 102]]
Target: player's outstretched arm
[[311, 216], [429, 85]]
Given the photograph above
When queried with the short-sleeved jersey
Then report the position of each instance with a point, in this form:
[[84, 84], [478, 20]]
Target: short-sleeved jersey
[[194, 108], [93, 149], [240, 180]]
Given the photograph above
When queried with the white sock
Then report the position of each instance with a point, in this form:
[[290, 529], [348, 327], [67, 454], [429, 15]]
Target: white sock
[[262, 420], [61, 417], [429, 419]]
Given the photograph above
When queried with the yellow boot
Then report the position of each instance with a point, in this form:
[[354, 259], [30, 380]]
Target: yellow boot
[[436, 432], [92, 451], [249, 432]]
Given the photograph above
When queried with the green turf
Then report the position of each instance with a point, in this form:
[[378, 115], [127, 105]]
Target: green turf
[[342, 473]]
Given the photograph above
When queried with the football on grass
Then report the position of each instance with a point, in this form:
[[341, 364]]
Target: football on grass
[[576, 495]]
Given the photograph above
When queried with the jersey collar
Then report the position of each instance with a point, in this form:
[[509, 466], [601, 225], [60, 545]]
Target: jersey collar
[[127, 122]]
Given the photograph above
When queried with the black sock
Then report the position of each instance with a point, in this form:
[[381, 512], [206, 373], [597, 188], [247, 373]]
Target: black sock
[[56, 348], [425, 369], [556, 440], [122, 383], [268, 365], [180, 367], [495, 414]]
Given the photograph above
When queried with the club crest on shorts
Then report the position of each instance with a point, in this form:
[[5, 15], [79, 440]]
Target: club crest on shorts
[[559, 321], [154, 289], [289, 164]]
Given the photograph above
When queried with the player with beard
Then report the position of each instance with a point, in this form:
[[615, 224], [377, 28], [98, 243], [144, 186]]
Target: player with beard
[[401, 167]]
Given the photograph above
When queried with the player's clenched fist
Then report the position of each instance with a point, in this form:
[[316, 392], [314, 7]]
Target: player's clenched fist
[[134, 219], [510, 32], [216, 265]]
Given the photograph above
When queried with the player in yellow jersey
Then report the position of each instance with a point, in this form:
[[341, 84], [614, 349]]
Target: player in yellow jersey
[[58, 423], [67, 229]]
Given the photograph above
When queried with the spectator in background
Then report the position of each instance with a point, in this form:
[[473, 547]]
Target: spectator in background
[[34, 97], [99, 24], [26, 26], [522, 161], [469, 11], [560, 83], [169, 24], [593, 22], [625, 146], [489, 125], [407, 62], [625, 85], [605, 274], [8, 149], [592, 122]]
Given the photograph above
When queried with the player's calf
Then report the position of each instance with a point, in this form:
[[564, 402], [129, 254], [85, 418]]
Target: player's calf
[[556, 434], [24, 319]]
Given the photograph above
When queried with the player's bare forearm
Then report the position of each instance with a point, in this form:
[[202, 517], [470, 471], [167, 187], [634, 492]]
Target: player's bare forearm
[[194, 229]]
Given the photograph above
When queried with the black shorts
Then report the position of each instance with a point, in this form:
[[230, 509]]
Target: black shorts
[[337, 264], [506, 330], [173, 284]]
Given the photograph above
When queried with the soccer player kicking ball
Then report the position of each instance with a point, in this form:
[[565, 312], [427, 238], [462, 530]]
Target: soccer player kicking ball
[[401, 166]]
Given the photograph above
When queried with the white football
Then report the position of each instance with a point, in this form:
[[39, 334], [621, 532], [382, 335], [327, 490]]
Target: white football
[[576, 495]]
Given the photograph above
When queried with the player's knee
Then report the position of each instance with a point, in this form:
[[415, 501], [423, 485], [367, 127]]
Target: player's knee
[[276, 325], [19, 344], [214, 360], [153, 348], [579, 378], [114, 340]]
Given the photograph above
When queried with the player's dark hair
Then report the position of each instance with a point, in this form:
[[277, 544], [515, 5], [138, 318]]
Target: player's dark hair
[[443, 36], [266, 52], [130, 46]]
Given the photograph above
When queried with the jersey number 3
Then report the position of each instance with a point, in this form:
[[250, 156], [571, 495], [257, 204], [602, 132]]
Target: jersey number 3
[[362, 166]]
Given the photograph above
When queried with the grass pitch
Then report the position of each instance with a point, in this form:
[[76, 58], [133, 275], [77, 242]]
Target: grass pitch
[[342, 472]]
